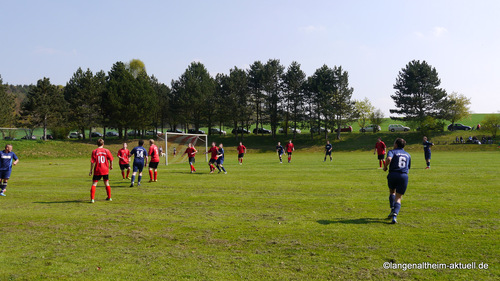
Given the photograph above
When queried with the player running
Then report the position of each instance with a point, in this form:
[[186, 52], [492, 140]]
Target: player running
[[140, 160], [124, 156], [220, 159], [427, 152], [380, 148], [328, 150], [213, 159], [399, 162], [289, 149], [100, 164], [155, 159], [7, 159], [280, 150], [191, 151], [241, 152]]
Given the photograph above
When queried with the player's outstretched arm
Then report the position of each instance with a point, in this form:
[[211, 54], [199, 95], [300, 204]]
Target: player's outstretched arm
[[15, 162], [91, 169], [387, 162], [111, 164]]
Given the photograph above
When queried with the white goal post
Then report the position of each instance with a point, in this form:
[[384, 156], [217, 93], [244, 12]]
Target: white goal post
[[176, 144]]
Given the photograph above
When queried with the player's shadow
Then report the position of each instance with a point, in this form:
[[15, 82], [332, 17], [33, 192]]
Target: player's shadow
[[63, 202], [353, 221]]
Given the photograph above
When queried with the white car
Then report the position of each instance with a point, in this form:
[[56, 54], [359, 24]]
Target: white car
[[290, 130], [398, 127], [75, 135], [370, 128]]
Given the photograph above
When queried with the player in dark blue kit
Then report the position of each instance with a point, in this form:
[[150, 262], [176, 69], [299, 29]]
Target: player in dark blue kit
[[427, 152], [7, 160], [220, 159], [399, 162], [280, 150], [328, 150], [140, 160]]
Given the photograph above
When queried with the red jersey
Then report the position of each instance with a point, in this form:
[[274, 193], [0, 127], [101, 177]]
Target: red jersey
[[100, 157], [289, 147], [380, 146], [190, 151], [214, 152], [153, 152], [241, 149], [125, 155]]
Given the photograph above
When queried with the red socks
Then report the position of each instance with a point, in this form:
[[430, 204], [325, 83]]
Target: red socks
[[128, 173], [151, 174], [108, 191], [92, 192], [123, 174], [156, 174]]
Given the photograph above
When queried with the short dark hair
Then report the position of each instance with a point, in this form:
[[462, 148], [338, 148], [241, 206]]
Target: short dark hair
[[400, 142], [141, 142], [100, 142]]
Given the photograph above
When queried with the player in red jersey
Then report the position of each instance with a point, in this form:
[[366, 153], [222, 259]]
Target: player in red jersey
[[100, 164], [214, 151], [191, 151], [241, 152], [380, 150], [153, 163], [289, 149], [124, 156]]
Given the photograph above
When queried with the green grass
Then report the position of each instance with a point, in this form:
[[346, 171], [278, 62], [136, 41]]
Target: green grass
[[307, 220]]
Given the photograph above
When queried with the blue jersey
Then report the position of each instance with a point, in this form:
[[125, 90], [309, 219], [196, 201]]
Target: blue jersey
[[400, 162], [6, 159], [427, 146], [328, 147], [280, 149], [220, 154], [139, 153]]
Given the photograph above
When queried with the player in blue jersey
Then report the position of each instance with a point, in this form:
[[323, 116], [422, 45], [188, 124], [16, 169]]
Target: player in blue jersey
[[140, 160], [7, 160], [280, 150], [398, 162], [328, 150], [427, 152], [220, 159]]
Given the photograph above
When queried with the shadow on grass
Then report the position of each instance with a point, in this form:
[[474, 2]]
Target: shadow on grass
[[63, 202], [354, 221]]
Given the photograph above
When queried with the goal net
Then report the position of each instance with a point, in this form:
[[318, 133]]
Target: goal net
[[176, 144]]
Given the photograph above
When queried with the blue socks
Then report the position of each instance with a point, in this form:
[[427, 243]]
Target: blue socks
[[392, 198], [139, 180], [397, 207], [223, 169], [133, 179]]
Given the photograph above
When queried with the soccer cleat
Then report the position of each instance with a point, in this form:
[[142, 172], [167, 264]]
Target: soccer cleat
[[151, 180], [241, 163], [138, 184], [390, 215], [2, 194], [92, 201], [225, 173], [156, 180], [427, 168], [394, 221], [109, 199], [218, 172], [131, 185], [128, 178]]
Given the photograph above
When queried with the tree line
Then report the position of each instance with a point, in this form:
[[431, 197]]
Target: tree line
[[127, 98]]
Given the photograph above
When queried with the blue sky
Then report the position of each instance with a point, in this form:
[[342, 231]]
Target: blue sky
[[372, 40]]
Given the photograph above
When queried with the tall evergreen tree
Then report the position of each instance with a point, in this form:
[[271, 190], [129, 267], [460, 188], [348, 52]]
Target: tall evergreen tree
[[294, 81], [8, 106], [343, 105], [256, 85], [418, 94], [273, 86]]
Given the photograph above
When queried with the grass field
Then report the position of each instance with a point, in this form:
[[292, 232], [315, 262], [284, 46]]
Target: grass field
[[307, 220]]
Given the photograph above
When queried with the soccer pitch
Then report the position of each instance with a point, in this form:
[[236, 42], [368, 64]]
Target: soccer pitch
[[262, 221]]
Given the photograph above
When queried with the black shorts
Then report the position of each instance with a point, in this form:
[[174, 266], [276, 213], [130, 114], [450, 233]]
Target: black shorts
[[124, 166], [191, 160], [289, 153], [381, 156], [153, 165], [212, 161], [241, 155], [98, 177], [328, 153]]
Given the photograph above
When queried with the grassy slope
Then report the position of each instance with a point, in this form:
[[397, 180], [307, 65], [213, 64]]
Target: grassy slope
[[263, 220]]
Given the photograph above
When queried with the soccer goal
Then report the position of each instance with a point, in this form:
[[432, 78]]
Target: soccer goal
[[176, 144]]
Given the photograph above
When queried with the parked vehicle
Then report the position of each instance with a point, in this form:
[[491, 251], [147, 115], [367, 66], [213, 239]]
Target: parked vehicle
[[175, 131], [398, 127], [458, 126], [112, 134], [29, 138], [347, 129], [75, 135], [240, 130], [261, 131], [370, 128], [217, 131], [49, 137], [96, 135], [150, 133], [290, 130], [315, 130], [194, 131]]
